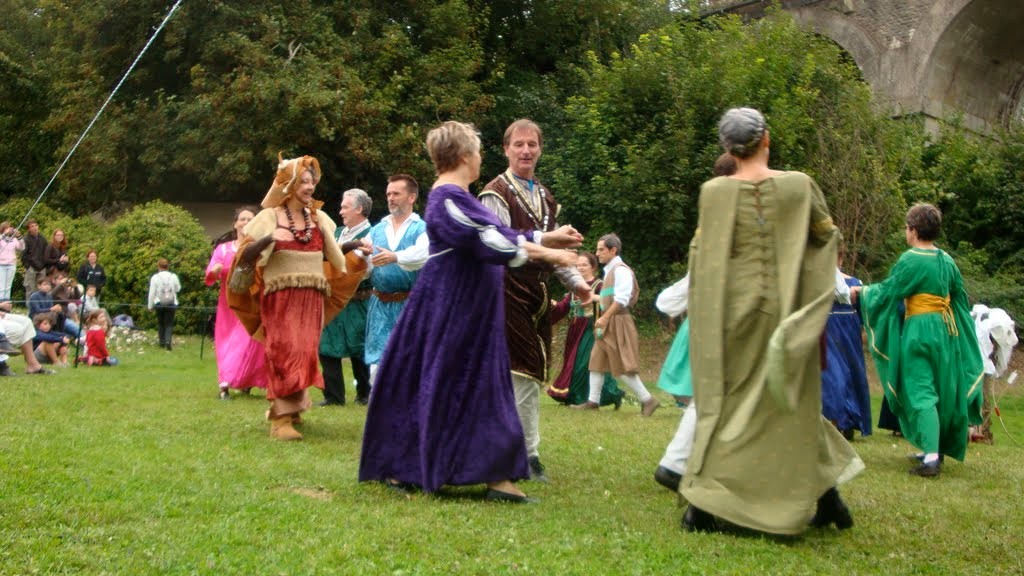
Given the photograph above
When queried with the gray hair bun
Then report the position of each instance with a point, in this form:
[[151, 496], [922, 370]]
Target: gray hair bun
[[740, 131]]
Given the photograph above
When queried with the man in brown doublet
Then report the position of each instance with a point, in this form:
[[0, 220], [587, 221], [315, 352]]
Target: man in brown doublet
[[523, 203]]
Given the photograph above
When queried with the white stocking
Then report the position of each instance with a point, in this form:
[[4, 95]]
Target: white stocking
[[596, 384], [631, 380]]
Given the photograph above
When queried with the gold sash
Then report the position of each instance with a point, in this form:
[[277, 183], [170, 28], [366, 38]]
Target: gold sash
[[924, 303]]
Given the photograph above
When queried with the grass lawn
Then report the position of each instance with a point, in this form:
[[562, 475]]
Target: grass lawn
[[139, 469]]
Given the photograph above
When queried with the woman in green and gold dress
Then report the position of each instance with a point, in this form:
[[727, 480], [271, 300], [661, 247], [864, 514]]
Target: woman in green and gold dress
[[931, 370]]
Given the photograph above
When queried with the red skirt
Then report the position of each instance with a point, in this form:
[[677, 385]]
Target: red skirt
[[292, 321]]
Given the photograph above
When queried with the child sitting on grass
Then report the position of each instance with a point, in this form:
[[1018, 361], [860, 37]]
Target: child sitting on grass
[[50, 347], [96, 354]]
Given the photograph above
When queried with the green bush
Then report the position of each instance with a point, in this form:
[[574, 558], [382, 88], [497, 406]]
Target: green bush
[[128, 249], [16, 208], [1001, 289], [134, 243]]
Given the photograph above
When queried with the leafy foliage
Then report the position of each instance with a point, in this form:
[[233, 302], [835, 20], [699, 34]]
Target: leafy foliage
[[628, 93], [227, 86], [643, 135], [136, 240], [979, 184], [1003, 288]]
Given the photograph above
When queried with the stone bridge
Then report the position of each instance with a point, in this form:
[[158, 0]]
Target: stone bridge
[[930, 57]]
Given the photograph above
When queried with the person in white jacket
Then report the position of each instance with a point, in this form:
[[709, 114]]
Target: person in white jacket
[[163, 298]]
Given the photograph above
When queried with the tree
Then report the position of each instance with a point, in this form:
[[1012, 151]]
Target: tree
[[643, 137], [133, 244], [25, 148]]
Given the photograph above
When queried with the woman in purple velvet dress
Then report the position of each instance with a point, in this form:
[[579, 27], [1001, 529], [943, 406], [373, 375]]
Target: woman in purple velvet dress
[[442, 409]]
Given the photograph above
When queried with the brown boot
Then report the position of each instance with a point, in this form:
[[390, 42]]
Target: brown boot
[[281, 428], [586, 406], [649, 407]]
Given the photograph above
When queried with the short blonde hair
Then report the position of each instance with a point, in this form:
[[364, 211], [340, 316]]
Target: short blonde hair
[[449, 142]]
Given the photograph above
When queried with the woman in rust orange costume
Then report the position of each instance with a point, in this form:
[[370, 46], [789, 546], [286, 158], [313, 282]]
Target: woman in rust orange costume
[[289, 279]]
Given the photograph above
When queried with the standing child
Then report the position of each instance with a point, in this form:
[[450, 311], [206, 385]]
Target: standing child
[[616, 348], [90, 303], [95, 353], [845, 399]]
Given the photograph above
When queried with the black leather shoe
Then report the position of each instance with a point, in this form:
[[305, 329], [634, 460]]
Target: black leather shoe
[[697, 520], [667, 478], [326, 403], [930, 470], [832, 510], [499, 496], [362, 400], [5, 370], [537, 470], [401, 487], [919, 457]]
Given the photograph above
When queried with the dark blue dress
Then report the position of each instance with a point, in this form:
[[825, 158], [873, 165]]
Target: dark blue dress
[[845, 399], [442, 410]]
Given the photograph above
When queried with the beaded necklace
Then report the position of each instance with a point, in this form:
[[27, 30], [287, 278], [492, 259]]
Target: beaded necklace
[[516, 184], [307, 234]]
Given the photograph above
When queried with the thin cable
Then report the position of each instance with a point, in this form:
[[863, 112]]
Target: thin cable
[[998, 412], [102, 108]]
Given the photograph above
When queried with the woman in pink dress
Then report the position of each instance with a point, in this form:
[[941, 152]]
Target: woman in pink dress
[[240, 359]]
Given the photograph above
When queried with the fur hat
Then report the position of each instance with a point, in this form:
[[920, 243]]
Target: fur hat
[[289, 173]]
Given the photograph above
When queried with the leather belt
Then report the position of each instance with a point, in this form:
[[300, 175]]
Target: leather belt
[[391, 296]]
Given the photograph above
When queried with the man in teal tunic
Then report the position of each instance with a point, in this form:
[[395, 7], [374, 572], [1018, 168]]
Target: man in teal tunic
[[400, 249], [345, 335], [931, 371]]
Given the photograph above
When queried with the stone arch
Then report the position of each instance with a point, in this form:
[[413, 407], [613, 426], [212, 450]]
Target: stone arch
[[970, 61], [860, 44]]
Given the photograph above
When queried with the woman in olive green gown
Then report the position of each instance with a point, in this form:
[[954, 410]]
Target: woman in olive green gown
[[931, 370], [762, 275]]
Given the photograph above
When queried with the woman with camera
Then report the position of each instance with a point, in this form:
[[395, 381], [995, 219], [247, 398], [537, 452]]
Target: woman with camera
[[10, 245]]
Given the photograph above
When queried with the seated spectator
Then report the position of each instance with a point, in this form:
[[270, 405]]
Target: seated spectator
[[97, 327], [51, 346], [66, 294], [19, 333], [40, 301]]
